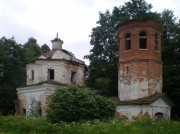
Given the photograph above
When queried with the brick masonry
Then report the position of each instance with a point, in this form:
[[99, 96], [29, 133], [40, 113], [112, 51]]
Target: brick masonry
[[140, 70]]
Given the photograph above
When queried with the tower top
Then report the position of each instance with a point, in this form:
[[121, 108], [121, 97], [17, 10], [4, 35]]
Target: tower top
[[56, 43]]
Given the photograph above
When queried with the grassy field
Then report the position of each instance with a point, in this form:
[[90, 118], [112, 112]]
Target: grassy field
[[23, 125]]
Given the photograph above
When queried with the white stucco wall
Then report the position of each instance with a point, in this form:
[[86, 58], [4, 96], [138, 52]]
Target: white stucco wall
[[62, 72], [39, 93], [158, 106], [161, 106], [135, 80]]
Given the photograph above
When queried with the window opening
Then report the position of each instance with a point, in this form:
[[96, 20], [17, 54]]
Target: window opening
[[40, 112], [50, 74], [142, 40], [73, 77], [128, 42], [156, 42], [127, 70], [24, 112], [32, 74]]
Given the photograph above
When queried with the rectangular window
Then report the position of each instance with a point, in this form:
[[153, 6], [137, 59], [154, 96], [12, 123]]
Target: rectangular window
[[40, 112], [24, 112], [73, 77], [143, 40], [50, 74], [32, 74]]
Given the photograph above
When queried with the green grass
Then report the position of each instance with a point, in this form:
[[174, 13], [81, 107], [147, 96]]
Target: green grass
[[23, 125]]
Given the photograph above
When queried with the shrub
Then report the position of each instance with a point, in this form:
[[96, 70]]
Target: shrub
[[71, 103], [34, 108]]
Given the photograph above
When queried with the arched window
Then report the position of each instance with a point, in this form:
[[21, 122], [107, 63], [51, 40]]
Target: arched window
[[142, 40], [128, 42], [156, 39]]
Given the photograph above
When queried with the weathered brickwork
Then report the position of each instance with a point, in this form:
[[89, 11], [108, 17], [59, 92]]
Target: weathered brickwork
[[140, 70]]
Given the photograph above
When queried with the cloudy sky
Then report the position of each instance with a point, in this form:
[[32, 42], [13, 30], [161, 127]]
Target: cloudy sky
[[72, 19]]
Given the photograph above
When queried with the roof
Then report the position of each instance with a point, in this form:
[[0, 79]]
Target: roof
[[46, 82], [146, 100], [58, 54], [137, 21]]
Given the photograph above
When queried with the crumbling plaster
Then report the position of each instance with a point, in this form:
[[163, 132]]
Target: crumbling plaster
[[132, 112], [62, 72]]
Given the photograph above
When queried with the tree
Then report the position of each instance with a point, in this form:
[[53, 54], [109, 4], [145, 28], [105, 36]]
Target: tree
[[104, 54], [171, 57], [32, 49], [12, 73], [71, 103], [45, 48]]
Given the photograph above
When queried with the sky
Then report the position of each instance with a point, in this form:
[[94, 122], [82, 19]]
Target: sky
[[73, 20]]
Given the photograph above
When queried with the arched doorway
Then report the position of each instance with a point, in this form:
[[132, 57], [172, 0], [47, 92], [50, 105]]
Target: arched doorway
[[159, 116]]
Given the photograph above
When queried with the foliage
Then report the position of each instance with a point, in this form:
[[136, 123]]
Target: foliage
[[32, 49], [74, 104], [102, 84], [104, 40], [104, 53], [21, 125], [45, 48], [12, 73], [35, 108], [13, 58], [171, 57]]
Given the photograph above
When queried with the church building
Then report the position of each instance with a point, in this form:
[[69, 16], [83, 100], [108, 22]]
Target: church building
[[140, 72], [45, 73]]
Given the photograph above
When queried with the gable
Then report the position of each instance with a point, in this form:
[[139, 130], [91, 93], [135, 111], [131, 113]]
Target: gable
[[42, 57], [160, 103]]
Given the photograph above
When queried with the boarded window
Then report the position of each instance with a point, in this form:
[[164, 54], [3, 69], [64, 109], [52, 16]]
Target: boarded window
[[156, 42], [50, 74], [73, 77], [32, 74], [128, 42], [142, 40]]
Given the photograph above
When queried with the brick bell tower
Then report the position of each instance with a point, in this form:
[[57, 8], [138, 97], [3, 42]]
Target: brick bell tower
[[140, 64]]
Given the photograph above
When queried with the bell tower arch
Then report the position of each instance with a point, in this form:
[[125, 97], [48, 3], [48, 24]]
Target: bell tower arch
[[140, 64]]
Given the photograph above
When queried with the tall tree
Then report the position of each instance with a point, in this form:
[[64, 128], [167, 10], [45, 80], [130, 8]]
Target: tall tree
[[171, 57], [12, 73], [32, 49], [104, 53]]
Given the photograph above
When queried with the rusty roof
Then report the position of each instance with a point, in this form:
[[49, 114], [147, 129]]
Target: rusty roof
[[49, 56]]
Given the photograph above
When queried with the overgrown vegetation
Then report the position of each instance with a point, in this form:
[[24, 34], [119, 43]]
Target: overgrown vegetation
[[71, 103], [35, 108], [24, 125], [103, 85], [13, 57]]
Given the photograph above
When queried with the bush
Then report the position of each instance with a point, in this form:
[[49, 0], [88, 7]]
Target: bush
[[71, 103]]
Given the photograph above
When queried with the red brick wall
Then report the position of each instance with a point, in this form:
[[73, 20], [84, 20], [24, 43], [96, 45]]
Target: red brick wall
[[141, 67]]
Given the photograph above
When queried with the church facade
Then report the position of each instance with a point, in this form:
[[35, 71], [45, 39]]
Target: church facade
[[140, 71], [56, 68]]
